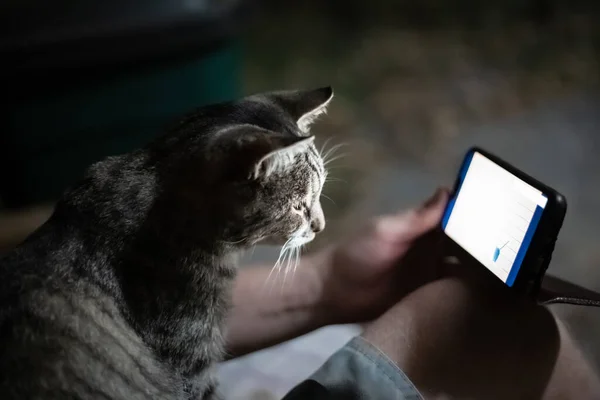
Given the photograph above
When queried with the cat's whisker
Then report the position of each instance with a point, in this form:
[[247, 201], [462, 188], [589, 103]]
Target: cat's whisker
[[332, 159], [324, 146], [268, 279], [286, 268], [329, 198], [338, 166], [277, 266], [236, 242], [332, 151], [286, 248], [333, 179], [284, 265], [292, 260], [277, 269], [297, 261], [280, 262]]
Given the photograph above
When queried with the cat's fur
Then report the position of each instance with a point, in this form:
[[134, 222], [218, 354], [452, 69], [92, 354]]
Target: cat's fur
[[122, 293]]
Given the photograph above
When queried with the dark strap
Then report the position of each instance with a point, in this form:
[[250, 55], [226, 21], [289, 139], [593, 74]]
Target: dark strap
[[557, 291]]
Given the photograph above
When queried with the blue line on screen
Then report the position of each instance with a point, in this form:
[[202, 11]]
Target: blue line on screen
[[452, 201], [537, 214]]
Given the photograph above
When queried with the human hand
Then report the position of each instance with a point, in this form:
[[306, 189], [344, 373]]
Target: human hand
[[367, 273], [467, 336]]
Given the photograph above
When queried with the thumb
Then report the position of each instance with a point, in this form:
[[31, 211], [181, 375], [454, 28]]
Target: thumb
[[428, 215], [409, 225]]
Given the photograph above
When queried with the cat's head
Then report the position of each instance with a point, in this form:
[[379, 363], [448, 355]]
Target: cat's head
[[250, 168]]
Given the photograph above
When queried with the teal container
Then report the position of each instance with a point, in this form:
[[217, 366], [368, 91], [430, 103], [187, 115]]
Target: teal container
[[55, 136]]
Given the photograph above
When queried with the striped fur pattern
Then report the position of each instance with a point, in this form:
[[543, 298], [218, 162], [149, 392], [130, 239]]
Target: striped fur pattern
[[122, 294]]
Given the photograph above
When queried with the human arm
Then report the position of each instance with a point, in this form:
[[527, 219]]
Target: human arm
[[266, 312]]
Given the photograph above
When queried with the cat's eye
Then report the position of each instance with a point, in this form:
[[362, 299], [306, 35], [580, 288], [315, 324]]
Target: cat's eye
[[303, 208]]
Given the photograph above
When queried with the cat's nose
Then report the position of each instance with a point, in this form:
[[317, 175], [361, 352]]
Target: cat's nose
[[317, 225]]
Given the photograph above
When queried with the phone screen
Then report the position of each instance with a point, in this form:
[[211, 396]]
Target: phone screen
[[493, 215]]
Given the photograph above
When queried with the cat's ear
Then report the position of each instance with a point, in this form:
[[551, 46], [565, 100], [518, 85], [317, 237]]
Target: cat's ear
[[250, 152], [304, 105], [281, 158]]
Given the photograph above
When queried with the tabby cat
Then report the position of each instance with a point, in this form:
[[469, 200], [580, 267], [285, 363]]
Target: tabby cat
[[123, 292]]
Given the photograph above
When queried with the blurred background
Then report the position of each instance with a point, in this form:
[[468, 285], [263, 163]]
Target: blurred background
[[416, 84]]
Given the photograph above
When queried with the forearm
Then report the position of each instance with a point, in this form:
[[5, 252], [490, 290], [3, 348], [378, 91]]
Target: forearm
[[265, 311]]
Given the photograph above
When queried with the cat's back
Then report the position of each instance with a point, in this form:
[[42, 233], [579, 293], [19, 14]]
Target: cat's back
[[62, 336], [33, 271]]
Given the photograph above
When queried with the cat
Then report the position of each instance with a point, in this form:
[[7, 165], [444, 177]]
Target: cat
[[122, 293]]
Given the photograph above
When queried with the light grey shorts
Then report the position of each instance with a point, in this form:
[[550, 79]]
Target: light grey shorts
[[357, 371]]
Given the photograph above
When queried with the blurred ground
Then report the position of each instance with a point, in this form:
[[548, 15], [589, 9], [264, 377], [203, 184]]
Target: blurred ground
[[414, 91]]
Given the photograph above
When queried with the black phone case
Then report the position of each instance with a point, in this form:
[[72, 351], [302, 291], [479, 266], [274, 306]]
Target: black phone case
[[547, 289]]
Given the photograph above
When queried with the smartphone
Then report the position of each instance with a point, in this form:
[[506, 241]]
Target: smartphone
[[504, 219]]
